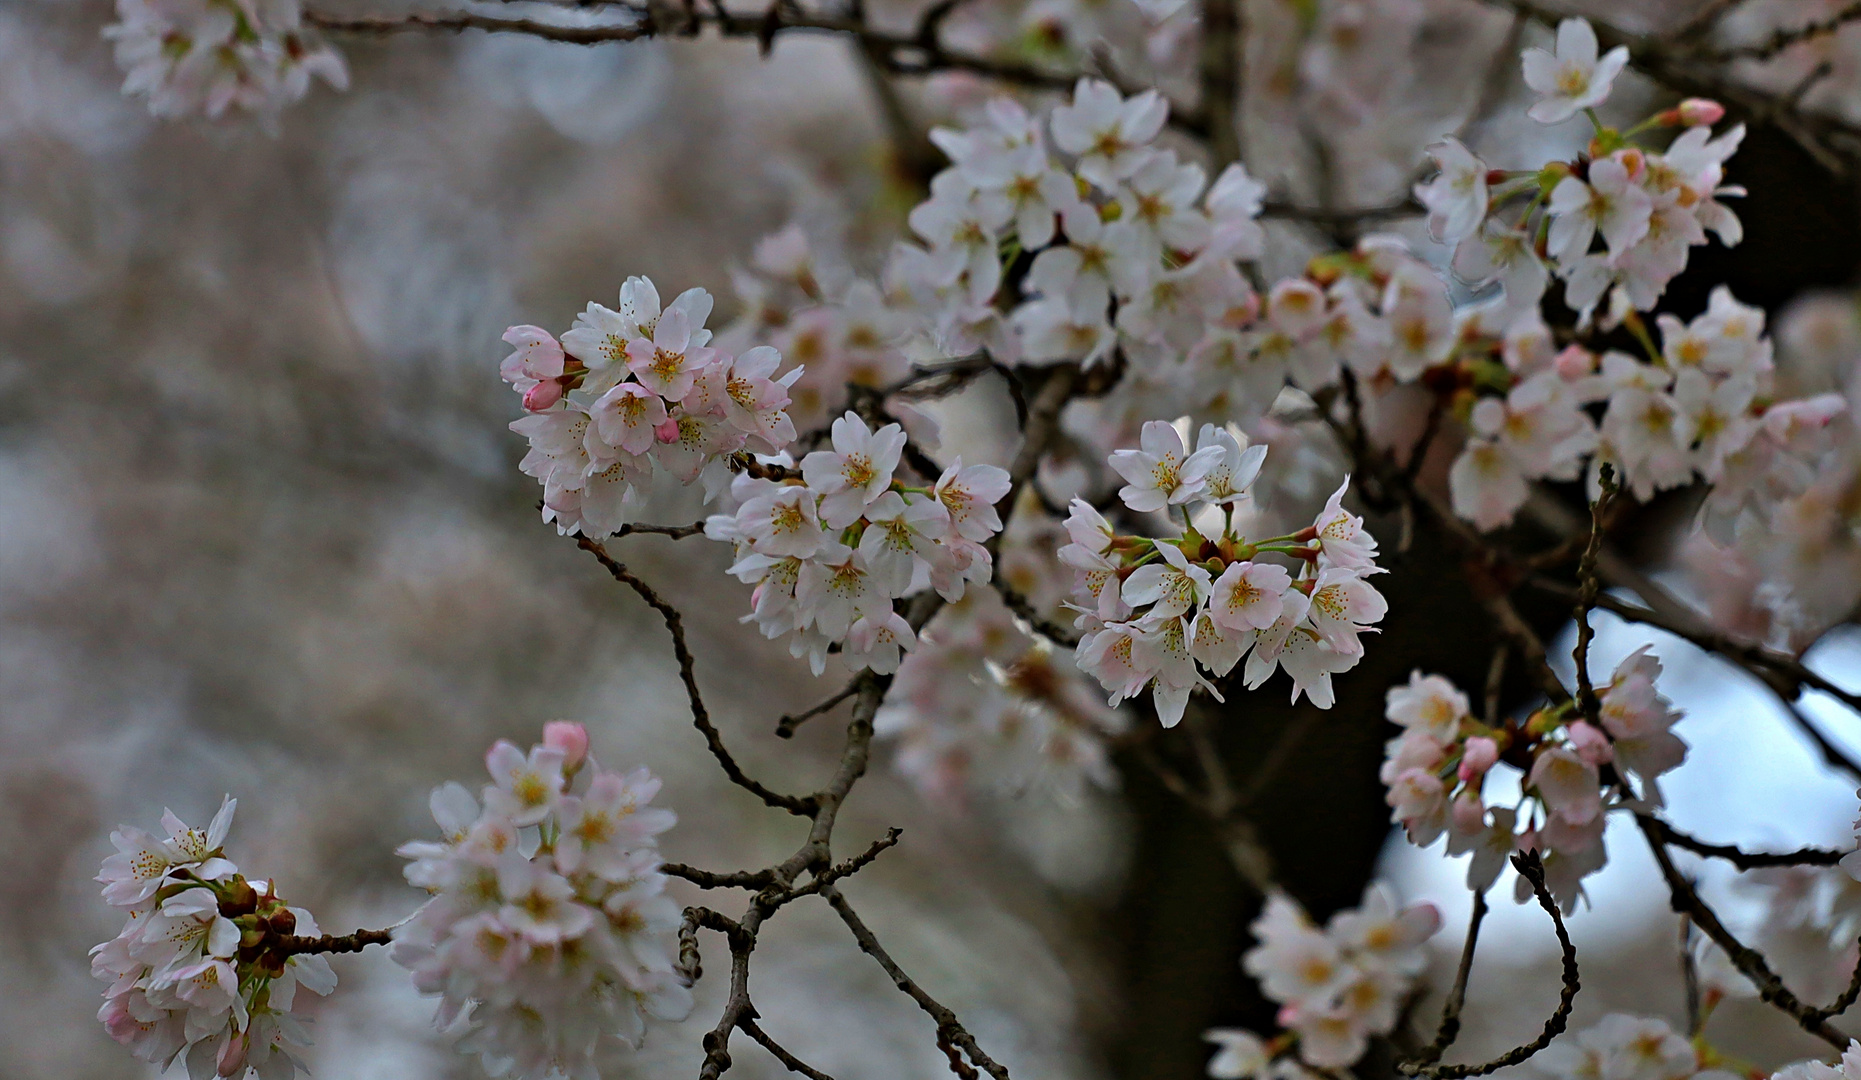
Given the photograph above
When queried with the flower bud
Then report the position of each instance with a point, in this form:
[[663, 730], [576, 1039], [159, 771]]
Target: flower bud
[[1590, 744], [1694, 112], [1634, 161], [240, 899], [1574, 362], [232, 1058], [569, 737], [1479, 756], [542, 395], [667, 432]]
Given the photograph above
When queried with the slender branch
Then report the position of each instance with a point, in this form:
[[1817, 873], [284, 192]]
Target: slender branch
[[898, 54], [1587, 587], [1024, 609], [1847, 997], [1686, 900], [671, 532], [1689, 978], [790, 1061], [707, 879], [1320, 216], [1531, 868], [852, 866], [949, 1029], [1744, 860], [785, 727], [1784, 37], [331, 943], [1449, 1030], [700, 716]]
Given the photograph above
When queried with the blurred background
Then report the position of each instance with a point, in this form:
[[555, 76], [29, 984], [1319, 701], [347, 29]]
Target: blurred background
[[261, 533]]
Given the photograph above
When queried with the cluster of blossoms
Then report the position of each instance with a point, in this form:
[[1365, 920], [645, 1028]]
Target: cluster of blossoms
[[830, 546], [984, 705], [630, 390], [204, 964], [1848, 1067], [208, 56], [548, 931], [1157, 611], [1623, 1047], [1436, 771], [1337, 987], [1646, 208]]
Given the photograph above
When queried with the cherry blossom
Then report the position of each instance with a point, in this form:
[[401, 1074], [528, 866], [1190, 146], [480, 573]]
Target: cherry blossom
[[1574, 78]]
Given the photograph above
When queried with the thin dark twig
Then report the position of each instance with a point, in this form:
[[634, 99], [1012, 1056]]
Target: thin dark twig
[[1744, 860], [1588, 585], [1771, 989], [1531, 868], [948, 1028], [291, 945], [1449, 1030], [852, 866], [700, 716], [1848, 996], [1689, 978], [707, 879], [1784, 37], [1040, 624], [785, 727], [672, 532], [788, 1060]]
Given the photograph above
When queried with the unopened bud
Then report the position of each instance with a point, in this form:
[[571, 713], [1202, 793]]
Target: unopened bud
[[232, 1059], [1694, 112], [1479, 756], [667, 432], [1590, 744], [1574, 362], [542, 395], [569, 737]]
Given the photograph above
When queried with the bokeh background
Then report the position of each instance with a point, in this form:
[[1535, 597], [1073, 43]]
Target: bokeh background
[[261, 533]]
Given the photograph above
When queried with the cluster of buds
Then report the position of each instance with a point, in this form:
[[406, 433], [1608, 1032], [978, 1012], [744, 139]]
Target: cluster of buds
[[630, 391], [829, 549], [1337, 987], [548, 934], [1573, 770], [209, 963], [1157, 611]]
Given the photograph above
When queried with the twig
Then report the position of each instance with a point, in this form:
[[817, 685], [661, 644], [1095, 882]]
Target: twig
[[1847, 997], [672, 532], [1783, 37], [1024, 610], [1686, 900], [949, 1030], [785, 727], [1587, 587], [793, 1063], [700, 716], [707, 879], [852, 866], [1449, 1030], [1531, 868], [1689, 978], [291, 945], [1744, 860]]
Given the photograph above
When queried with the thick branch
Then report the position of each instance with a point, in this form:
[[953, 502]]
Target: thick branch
[[332, 943], [1220, 72], [1784, 37]]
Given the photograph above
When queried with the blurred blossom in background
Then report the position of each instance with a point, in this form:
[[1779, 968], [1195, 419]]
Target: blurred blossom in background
[[261, 533]]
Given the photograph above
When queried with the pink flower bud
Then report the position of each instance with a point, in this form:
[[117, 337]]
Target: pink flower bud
[[1696, 111], [1479, 756], [1590, 744], [569, 737], [542, 395], [667, 432], [1574, 362], [232, 1059]]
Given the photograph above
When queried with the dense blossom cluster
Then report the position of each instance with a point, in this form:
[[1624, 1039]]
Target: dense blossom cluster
[[1157, 611], [208, 56], [548, 934], [637, 390], [985, 706], [1437, 769], [1847, 1067], [830, 546], [1623, 1047], [1337, 987], [202, 967]]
